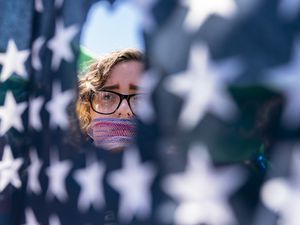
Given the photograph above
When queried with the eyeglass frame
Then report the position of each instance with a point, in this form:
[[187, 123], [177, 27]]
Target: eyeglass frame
[[121, 96]]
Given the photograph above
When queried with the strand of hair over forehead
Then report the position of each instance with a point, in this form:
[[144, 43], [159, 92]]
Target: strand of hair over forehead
[[117, 54]]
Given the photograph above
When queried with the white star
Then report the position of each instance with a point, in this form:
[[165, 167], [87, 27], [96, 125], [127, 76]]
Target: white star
[[57, 173], [30, 217], [33, 172], [60, 44], [286, 201], [34, 113], [54, 220], [286, 79], [289, 9], [58, 105], [202, 191], [13, 61], [145, 7], [10, 114], [90, 181], [133, 183], [38, 4], [36, 47], [202, 86], [145, 109], [9, 167], [200, 10]]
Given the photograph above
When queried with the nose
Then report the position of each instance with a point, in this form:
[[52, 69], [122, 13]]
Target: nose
[[124, 110]]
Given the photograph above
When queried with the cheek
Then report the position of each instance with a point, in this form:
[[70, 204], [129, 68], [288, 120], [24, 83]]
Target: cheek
[[95, 115]]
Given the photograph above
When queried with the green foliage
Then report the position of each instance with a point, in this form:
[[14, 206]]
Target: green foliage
[[84, 60], [17, 85]]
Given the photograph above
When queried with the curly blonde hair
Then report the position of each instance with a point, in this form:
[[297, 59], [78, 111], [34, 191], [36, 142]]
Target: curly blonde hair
[[95, 78]]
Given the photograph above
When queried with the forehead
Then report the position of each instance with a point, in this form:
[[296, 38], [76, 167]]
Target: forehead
[[125, 72]]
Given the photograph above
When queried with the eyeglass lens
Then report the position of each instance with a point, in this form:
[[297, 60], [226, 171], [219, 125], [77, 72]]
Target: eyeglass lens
[[108, 102]]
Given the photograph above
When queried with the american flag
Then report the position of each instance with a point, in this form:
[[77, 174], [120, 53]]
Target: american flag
[[218, 138]]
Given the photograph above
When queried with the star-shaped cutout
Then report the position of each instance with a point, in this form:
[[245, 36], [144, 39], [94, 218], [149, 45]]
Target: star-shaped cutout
[[200, 10], [60, 44], [111, 2], [145, 109], [289, 9], [202, 191], [34, 112], [133, 183], [36, 47], [203, 87], [33, 184], [145, 7], [57, 173], [57, 106], [13, 61], [286, 79], [10, 114], [9, 167], [286, 201], [59, 3], [90, 181], [30, 217]]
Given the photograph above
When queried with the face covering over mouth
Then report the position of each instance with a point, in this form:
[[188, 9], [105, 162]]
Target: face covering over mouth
[[112, 133]]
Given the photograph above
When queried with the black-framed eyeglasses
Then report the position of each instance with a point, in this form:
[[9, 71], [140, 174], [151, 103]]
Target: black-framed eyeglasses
[[107, 102]]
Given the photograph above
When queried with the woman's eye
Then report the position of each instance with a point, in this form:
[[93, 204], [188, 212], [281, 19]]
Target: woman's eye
[[107, 97], [137, 98]]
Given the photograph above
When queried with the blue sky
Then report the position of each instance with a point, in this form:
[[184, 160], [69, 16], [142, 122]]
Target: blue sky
[[107, 30]]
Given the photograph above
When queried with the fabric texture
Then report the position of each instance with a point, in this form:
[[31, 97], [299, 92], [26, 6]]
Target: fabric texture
[[112, 133]]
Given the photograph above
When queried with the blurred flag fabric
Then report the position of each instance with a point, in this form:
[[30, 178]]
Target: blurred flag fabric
[[218, 137]]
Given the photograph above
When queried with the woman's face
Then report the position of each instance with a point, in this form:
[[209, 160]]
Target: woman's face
[[124, 79]]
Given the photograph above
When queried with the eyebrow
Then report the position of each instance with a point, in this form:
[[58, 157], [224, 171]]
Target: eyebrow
[[111, 87], [134, 87], [116, 86]]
